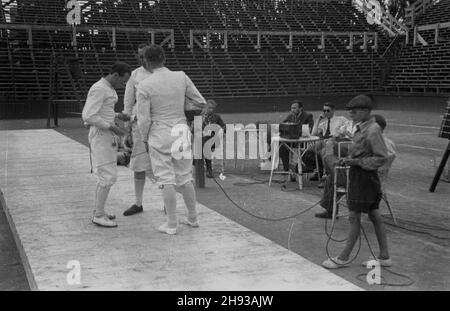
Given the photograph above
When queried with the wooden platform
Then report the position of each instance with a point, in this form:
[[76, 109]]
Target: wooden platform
[[48, 196]]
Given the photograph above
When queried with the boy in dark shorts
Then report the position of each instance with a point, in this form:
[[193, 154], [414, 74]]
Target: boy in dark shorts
[[368, 153]]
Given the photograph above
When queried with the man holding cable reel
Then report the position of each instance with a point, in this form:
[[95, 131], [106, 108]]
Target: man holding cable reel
[[368, 153]]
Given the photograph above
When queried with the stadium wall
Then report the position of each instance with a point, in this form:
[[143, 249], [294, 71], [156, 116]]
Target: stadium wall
[[436, 103]]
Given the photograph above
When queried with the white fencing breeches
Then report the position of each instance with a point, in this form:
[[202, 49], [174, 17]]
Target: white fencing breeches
[[104, 156]]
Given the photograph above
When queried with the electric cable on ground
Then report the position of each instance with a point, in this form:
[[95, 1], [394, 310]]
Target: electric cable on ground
[[329, 237]]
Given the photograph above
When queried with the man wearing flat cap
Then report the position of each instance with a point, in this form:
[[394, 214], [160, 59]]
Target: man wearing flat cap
[[367, 153]]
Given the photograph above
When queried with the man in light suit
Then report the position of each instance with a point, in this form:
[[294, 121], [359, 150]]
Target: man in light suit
[[140, 159]]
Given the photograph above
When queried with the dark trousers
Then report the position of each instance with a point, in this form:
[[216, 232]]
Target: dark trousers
[[284, 155], [328, 190], [308, 159]]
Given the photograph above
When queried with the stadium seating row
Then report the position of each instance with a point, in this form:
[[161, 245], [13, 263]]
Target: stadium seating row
[[424, 69], [241, 70]]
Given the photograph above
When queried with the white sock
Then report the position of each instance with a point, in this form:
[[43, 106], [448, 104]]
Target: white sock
[[188, 192], [101, 194], [170, 202], [139, 190]]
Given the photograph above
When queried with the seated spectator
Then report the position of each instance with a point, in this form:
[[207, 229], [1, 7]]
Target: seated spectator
[[299, 116], [327, 126], [210, 117]]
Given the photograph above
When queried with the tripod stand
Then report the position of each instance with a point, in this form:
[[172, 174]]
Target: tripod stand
[[440, 169]]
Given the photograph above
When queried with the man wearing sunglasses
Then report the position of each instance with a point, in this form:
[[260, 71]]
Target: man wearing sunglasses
[[327, 126]]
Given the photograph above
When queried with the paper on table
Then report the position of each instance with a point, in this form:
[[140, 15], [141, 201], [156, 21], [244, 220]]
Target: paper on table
[[305, 130]]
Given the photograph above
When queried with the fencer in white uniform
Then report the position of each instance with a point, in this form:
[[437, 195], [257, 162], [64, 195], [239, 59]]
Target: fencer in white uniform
[[160, 108], [98, 113], [140, 159]]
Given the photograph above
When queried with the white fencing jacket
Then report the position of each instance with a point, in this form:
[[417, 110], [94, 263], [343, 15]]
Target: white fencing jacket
[[129, 100], [161, 100], [99, 108]]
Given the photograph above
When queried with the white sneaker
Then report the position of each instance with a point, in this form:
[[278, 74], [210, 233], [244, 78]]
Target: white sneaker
[[334, 263], [164, 228], [110, 216], [382, 262], [185, 221], [104, 221]]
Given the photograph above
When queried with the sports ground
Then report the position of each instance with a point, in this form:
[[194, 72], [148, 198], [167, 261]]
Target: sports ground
[[419, 246]]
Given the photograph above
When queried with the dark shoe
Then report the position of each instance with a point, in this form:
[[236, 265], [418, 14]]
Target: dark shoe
[[209, 173], [134, 209], [326, 215], [314, 177]]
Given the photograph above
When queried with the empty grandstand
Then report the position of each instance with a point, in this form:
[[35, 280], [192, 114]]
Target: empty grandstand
[[423, 65], [231, 49]]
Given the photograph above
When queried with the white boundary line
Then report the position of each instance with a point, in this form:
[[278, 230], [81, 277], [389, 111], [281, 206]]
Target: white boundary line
[[417, 126], [411, 134], [421, 148]]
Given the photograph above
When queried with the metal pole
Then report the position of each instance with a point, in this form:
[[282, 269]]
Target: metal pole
[[50, 91], [199, 173], [371, 72], [54, 104], [440, 169]]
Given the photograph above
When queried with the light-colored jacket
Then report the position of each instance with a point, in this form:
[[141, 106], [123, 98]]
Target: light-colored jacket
[[129, 99], [161, 100], [339, 125], [383, 172], [99, 108]]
